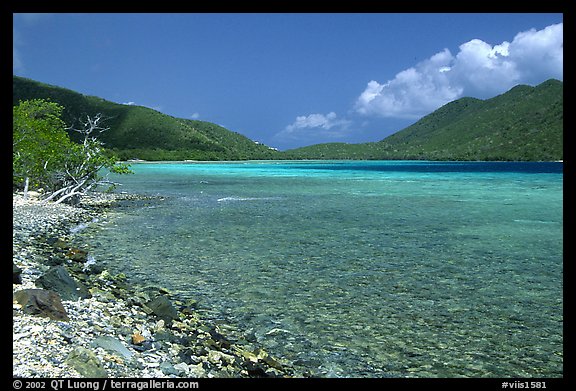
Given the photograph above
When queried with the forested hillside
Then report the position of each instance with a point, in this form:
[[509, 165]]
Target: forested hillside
[[525, 124], [138, 132]]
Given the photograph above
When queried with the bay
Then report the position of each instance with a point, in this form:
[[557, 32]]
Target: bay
[[360, 269]]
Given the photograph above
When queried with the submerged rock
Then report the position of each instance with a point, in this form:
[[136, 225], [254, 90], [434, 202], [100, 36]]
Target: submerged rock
[[77, 254], [145, 332], [41, 302], [162, 307]]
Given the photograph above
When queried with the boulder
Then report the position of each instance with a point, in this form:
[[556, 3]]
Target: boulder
[[41, 302], [162, 307], [16, 274], [59, 280], [112, 345]]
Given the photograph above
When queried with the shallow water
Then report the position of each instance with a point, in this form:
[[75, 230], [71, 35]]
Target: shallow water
[[361, 269]]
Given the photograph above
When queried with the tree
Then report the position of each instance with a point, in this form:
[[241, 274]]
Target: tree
[[39, 142], [45, 157], [82, 170]]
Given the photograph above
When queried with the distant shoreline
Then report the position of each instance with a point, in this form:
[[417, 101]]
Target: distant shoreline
[[136, 161]]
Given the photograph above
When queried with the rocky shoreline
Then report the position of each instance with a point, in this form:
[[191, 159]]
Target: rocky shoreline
[[72, 318]]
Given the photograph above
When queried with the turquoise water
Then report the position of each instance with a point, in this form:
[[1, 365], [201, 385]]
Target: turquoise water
[[361, 269]]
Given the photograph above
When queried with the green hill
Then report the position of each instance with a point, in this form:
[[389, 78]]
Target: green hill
[[143, 133], [524, 124]]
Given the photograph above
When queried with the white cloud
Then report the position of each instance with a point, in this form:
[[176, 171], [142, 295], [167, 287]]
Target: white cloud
[[321, 121], [413, 91], [478, 69], [482, 70], [129, 103], [195, 115], [315, 126], [539, 54]]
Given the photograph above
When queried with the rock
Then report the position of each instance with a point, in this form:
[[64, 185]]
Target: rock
[[54, 260], [77, 254], [137, 338], [86, 363], [154, 290], [16, 274], [221, 341], [273, 363], [188, 356], [255, 369], [168, 369], [146, 345], [197, 370], [246, 355], [59, 280], [113, 345], [41, 302], [34, 195], [91, 266], [182, 369], [190, 307], [57, 242], [162, 307], [217, 358], [159, 326], [164, 335]]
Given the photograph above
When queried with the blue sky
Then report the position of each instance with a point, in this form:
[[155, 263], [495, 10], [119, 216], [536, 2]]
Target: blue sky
[[291, 79]]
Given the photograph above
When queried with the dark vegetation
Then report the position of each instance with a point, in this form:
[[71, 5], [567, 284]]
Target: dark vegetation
[[523, 124], [138, 132]]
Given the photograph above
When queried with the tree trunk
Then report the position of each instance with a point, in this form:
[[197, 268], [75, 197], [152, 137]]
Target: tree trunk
[[26, 182]]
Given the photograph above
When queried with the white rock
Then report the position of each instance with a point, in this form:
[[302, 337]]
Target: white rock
[[182, 368]]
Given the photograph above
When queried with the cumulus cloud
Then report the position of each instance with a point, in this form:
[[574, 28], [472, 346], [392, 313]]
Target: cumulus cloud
[[322, 121], [328, 126], [418, 89], [195, 115], [479, 69], [539, 54]]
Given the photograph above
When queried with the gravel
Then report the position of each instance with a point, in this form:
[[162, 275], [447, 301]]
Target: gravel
[[114, 326]]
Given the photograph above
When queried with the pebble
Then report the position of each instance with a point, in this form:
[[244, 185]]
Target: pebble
[[106, 329]]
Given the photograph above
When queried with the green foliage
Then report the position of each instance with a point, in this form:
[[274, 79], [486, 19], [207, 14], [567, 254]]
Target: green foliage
[[45, 157], [39, 142], [138, 132], [523, 124]]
